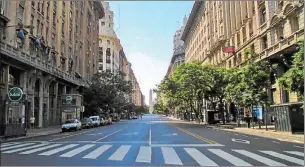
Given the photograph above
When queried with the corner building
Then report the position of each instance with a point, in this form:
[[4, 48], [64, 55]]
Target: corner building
[[48, 49], [269, 29]]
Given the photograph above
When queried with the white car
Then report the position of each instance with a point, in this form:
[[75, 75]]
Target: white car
[[96, 120], [72, 124]]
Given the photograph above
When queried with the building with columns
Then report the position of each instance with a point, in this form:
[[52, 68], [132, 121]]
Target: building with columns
[[48, 49], [178, 50], [109, 44], [269, 29]]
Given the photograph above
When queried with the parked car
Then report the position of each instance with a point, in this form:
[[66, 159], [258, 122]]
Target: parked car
[[72, 124], [87, 123], [96, 120]]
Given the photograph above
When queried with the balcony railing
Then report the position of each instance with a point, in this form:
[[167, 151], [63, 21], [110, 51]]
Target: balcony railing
[[15, 53]]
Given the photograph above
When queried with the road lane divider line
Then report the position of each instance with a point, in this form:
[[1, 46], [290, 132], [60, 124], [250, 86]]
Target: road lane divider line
[[107, 136], [197, 136]]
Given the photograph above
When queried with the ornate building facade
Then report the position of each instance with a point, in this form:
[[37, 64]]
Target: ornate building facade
[[48, 49], [269, 29]]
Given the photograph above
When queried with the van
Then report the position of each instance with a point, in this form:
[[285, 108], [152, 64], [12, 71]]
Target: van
[[96, 120]]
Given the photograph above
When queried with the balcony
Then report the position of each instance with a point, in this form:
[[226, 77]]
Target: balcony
[[23, 57], [282, 44]]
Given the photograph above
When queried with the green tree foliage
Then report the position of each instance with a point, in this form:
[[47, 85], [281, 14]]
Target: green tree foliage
[[293, 79], [106, 93]]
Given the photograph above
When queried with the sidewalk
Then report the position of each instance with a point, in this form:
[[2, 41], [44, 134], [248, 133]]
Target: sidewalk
[[38, 132], [271, 133]]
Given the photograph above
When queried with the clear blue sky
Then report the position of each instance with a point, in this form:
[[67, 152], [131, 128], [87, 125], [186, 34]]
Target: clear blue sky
[[146, 30]]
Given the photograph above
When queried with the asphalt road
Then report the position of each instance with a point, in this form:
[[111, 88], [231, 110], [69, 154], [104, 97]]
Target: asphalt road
[[151, 141]]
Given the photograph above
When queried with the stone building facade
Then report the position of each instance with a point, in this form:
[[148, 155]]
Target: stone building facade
[[48, 49], [109, 43], [269, 29], [178, 50]]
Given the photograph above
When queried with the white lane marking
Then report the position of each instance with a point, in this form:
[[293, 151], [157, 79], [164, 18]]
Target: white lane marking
[[241, 141], [8, 144], [170, 156], [295, 153], [54, 151], [284, 157], [259, 158], [77, 150], [107, 135], [72, 135], [25, 148], [40, 149], [298, 146], [230, 158], [16, 146], [149, 138], [120, 153], [144, 154], [201, 159], [186, 145], [276, 142], [97, 152]]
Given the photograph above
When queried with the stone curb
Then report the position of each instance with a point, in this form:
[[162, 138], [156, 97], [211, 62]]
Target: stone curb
[[27, 137]]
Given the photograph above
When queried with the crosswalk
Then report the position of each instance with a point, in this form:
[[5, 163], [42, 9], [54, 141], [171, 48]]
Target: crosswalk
[[148, 155]]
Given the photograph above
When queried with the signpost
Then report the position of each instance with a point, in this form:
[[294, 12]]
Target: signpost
[[69, 99], [15, 94]]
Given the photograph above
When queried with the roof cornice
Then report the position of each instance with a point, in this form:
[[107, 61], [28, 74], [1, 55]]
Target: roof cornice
[[191, 18]]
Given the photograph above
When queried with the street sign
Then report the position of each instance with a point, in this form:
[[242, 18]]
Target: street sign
[[69, 99], [15, 94], [229, 49]]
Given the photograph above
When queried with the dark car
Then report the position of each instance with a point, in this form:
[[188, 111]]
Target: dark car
[[87, 123]]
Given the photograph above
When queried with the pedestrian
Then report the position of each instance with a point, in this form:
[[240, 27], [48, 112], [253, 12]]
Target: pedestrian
[[32, 119]]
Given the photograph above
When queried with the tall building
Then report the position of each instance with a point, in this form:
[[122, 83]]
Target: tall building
[[151, 105], [109, 44], [178, 50], [269, 29], [48, 49]]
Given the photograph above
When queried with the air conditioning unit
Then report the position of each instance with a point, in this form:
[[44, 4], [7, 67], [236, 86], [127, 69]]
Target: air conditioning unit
[[1, 11]]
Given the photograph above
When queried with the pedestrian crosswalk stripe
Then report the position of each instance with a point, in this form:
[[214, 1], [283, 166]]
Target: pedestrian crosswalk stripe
[[120, 153], [144, 154], [96, 153], [77, 150], [232, 159], [24, 148], [259, 158], [40, 149], [201, 159], [16, 146], [295, 153], [54, 151], [170, 156], [285, 157], [7, 144]]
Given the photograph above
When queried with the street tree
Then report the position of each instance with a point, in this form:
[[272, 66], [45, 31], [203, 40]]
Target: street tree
[[293, 79], [106, 93]]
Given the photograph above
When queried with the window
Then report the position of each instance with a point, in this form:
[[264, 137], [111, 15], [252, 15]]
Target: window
[[53, 39], [244, 34], [238, 39], [41, 29], [20, 13], [252, 49], [250, 28], [264, 43], [54, 17], [47, 33], [103, 23], [38, 28], [62, 28], [280, 33], [109, 17], [48, 10], [42, 7], [38, 7], [62, 48], [294, 24], [272, 36], [70, 34], [109, 25], [263, 15], [33, 4], [32, 20], [108, 42]]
